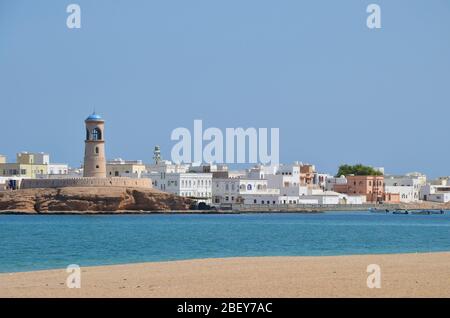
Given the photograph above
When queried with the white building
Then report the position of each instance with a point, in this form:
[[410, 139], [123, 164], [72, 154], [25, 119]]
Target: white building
[[332, 181], [438, 191], [193, 185], [10, 183], [236, 190], [408, 187], [57, 168], [273, 199], [167, 167]]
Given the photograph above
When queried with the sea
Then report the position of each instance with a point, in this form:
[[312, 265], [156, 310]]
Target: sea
[[38, 242]]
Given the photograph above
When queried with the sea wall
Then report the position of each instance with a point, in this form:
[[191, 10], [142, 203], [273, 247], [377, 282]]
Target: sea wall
[[86, 182]]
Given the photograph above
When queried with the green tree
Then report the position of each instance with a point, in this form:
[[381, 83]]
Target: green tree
[[357, 170]]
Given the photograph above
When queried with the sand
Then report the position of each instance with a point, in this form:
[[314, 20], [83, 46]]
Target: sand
[[402, 275]]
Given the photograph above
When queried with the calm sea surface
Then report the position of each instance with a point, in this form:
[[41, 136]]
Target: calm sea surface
[[43, 242]]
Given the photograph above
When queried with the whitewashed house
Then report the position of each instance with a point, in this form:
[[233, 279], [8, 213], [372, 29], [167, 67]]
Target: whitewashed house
[[408, 186], [436, 191], [192, 185]]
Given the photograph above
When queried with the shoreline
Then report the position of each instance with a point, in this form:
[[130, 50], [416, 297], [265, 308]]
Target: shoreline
[[218, 212], [403, 275], [224, 258]]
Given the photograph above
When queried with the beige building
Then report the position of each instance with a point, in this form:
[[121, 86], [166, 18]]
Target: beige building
[[125, 168], [27, 165]]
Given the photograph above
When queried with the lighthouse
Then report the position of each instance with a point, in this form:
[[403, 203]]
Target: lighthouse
[[94, 149]]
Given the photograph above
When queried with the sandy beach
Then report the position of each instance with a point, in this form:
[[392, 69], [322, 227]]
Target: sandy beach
[[402, 275]]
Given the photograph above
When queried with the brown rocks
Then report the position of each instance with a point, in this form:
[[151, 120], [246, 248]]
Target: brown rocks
[[91, 199]]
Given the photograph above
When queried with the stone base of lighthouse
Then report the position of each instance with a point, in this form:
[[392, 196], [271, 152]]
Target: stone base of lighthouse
[[86, 182]]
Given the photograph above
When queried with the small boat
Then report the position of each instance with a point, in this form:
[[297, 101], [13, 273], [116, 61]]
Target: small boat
[[400, 212], [375, 210], [422, 212]]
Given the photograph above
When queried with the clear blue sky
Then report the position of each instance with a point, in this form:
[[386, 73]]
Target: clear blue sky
[[339, 92]]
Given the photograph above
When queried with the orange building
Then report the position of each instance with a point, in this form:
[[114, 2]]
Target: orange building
[[370, 186], [307, 174]]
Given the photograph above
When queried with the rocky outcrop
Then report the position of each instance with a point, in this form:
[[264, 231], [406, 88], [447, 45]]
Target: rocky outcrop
[[91, 200]]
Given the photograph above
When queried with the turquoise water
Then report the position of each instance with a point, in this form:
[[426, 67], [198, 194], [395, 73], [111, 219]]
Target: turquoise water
[[43, 242]]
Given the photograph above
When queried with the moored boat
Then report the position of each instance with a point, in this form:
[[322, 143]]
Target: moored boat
[[375, 210], [400, 212], [421, 212]]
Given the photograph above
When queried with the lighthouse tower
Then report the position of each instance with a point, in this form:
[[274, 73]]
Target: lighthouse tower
[[94, 150]]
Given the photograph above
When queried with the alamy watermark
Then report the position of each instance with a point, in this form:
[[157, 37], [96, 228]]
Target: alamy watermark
[[74, 278], [374, 278], [236, 145], [73, 20], [374, 19]]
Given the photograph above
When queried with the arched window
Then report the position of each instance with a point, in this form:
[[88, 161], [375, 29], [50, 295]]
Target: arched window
[[87, 134], [249, 187], [96, 150], [96, 134]]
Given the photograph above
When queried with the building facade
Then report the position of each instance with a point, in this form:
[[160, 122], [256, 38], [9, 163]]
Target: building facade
[[370, 186], [125, 168], [196, 186]]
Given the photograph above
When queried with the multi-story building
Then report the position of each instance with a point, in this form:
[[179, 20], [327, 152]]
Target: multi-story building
[[32, 165], [57, 169], [237, 190], [27, 165], [307, 172], [331, 182], [370, 186], [407, 187], [436, 191], [196, 186], [125, 168], [167, 167]]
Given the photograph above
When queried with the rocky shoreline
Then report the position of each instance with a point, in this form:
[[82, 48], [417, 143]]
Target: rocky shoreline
[[88, 200], [124, 200]]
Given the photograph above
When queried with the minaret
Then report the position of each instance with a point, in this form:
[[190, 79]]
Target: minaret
[[157, 154], [94, 150]]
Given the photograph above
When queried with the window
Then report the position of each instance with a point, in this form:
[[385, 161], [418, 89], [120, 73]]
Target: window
[[96, 134], [97, 167], [96, 150]]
